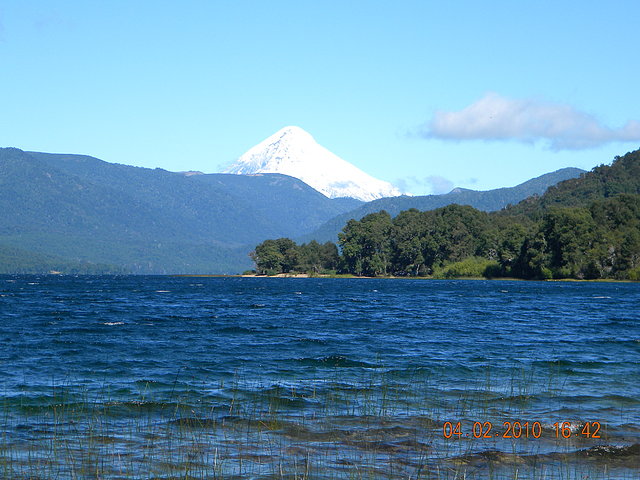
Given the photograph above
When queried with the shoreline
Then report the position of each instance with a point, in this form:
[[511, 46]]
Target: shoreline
[[346, 276], [391, 277]]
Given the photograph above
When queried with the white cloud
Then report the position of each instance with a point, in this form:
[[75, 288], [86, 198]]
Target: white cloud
[[439, 185], [402, 184], [494, 117], [433, 184]]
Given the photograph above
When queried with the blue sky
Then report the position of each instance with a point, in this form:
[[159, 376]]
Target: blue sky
[[427, 95]]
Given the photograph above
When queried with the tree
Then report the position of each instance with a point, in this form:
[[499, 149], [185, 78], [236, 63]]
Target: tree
[[316, 258], [366, 244], [290, 254], [570, 234], [268, 258], [533, 259], [508, 246], [407, 244], [329, 256], [275, 256]]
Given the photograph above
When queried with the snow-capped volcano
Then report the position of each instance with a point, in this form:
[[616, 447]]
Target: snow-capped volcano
[[294, 152]]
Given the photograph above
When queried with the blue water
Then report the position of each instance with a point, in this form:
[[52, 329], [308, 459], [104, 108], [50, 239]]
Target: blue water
[[315, 378]]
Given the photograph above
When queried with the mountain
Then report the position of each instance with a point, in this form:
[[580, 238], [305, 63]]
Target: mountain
[[489, 200], [294, 152], [583, 228], [72, 212], [286, 202], [604, 181], [79, 214]]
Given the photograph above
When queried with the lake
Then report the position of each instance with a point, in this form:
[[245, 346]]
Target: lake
[[194, 377]]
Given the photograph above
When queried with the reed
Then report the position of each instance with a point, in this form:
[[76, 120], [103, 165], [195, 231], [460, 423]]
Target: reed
[[383, 425]]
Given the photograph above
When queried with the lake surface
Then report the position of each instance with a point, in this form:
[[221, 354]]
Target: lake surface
[[177, 377]]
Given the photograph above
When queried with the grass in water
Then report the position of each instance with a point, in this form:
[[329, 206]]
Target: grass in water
[[385, 425]]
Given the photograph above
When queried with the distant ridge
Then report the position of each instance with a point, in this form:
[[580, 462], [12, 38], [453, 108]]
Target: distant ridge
[[78, 214], [73, 212], [292, 151], [489, 200]]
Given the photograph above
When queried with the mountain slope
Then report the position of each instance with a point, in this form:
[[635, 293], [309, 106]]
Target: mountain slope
[[267, 202], [287, 202], [292, 151], [81, 209], [489, 200], [79, 214], [604, 181]]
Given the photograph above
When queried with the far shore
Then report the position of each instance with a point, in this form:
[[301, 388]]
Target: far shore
[[392, 277]]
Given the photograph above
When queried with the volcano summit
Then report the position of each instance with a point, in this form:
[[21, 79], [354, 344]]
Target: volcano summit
[[294, 152]]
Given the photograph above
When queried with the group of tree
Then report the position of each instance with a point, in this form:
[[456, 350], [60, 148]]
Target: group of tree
[[599, 241], [583, 228], [285, 256]]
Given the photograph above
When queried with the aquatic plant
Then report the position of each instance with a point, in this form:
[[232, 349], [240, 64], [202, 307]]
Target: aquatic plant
[[385, 425]]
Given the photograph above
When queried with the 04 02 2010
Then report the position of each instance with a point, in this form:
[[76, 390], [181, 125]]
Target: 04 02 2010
[[518, 429]]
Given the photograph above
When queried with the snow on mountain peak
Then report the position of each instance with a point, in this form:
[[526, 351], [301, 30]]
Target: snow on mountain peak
[[293, 151]]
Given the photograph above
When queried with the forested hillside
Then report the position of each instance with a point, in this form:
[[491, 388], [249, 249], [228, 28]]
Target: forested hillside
[[75, 213], [584, 228], [488, 201], [604, 181]]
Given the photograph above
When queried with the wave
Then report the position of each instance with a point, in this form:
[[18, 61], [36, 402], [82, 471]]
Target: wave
[[238, 329], [338, 361], [318, 341]]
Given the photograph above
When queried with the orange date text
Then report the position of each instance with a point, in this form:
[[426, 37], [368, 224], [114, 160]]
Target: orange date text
[[518, 429]]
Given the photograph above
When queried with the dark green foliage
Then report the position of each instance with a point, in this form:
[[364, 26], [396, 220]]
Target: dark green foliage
[[508, 240], [317, 258], [408, 244], [586, 228], [285, 256], [622, 176], [533, 259], [570, 235], [490, 200], [366, 244], [269, 256], [602, 241], [413, 243]]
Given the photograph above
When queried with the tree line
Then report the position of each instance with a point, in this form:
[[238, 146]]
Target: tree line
[[587, 228], [285, 256]]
